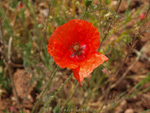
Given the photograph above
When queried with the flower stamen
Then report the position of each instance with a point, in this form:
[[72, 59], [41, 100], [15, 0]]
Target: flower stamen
[[76, 48]]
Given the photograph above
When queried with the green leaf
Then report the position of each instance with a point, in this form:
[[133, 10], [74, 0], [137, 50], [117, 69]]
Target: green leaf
[[57, 109]]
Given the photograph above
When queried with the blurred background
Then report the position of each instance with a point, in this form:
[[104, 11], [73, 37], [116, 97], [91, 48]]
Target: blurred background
[[120, 85]]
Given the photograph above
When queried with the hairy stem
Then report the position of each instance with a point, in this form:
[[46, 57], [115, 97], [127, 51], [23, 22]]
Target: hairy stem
[[45, 89], [71, 95], [84, 13], [55, 94]]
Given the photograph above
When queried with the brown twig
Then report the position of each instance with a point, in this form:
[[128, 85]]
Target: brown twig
[[138, 57], [147, 10], [45, 31], [116, 73], [116, 10], [107, 91], [1, 33], [10, 73], [6, 12], [145, 16], [8, 62], [139, 54]]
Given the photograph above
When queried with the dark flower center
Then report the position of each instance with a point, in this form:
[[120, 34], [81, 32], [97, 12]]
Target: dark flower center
[[76, 48], [78, 51]]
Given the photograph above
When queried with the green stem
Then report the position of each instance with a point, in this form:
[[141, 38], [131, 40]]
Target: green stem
[[42, 93], [84, 13], [71, 95], [55, 94], [118, 5]]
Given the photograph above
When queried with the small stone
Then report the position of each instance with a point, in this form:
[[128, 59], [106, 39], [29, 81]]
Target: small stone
[[129, 111], [121, 107], [123, 104]]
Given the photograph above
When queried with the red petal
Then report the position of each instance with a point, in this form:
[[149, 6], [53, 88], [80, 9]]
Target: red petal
[[84, 70], [76, 74]]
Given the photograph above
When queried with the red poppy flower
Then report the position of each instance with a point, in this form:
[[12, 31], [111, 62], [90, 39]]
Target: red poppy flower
[[21, 5], [142, 16], [74, 45]]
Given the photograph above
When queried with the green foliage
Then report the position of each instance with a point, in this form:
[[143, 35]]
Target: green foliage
[[139, 86], [60, 20], [30, 32], [5, 82], [27, 54], [14, 3], [108, 1], [146, 111], [38, 86], [87, 2], [143, 82], [57, 109]]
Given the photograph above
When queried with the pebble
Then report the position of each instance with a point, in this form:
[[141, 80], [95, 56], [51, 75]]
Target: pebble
[[129, 111]]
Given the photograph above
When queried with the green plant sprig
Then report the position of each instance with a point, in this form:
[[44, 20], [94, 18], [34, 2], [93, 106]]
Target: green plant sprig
[[55, 94]]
